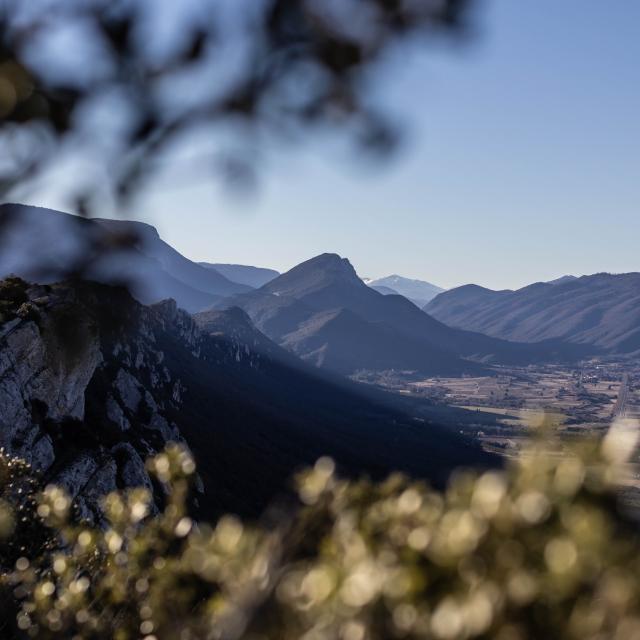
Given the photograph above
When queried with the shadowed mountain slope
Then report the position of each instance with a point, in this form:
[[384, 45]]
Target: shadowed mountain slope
[[254, 277], [191, 273], [297, 310], [339, 340], [600, 311], [129, 378], [46, 245]]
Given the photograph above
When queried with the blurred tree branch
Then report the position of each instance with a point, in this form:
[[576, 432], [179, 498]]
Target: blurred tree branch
[[126, 79]]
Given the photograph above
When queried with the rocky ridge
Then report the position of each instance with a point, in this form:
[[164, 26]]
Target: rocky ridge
[[84, 399]]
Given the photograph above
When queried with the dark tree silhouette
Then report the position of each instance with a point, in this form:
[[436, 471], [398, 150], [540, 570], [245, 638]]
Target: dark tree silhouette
[[128, 78]]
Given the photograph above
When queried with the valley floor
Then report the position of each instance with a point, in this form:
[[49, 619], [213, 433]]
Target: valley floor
[[502, 411], [507, 405]]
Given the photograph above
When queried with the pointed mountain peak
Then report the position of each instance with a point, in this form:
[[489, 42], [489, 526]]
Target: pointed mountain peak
[[319, 272], [330, 261]]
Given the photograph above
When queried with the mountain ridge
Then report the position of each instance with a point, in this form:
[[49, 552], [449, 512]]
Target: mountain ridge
[[45, 245], [600, 310], [286, 309]]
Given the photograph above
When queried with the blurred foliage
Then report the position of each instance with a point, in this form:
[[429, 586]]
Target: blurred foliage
[[123, 80], [539, 550]]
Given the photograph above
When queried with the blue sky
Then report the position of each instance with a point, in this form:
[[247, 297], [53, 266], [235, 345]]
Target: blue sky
[[522, 163]]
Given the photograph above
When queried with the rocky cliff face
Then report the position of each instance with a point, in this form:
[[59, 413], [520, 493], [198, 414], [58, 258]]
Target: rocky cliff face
[[84, 396], [92, 383]]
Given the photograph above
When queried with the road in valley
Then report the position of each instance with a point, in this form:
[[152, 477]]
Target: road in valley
[[620, 407]]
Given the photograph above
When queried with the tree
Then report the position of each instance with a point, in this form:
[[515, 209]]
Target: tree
[[101, 76]]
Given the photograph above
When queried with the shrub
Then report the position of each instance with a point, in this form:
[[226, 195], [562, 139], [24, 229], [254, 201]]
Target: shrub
[[14, 290], [13, 294], [538, 550]]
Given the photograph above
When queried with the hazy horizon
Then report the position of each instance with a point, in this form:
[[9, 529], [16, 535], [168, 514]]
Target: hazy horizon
[[360, 273]]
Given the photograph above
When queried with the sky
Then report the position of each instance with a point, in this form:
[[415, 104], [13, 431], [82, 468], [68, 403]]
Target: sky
[[521, 164]]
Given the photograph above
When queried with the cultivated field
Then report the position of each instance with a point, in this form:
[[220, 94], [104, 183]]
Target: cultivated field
[[508, 405]]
